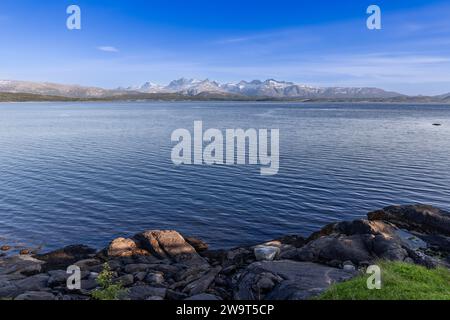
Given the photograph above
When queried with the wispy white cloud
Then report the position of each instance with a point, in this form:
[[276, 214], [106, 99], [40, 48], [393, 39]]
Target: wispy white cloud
[[108, 49], [233, 40]]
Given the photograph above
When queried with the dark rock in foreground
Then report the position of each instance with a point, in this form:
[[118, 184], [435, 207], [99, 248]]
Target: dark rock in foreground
[[66, 256], [287, 280], [163, 264], [359, 241]]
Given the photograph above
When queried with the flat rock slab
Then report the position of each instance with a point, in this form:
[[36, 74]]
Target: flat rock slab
[[22, 264], [62, 258], [291, 280]]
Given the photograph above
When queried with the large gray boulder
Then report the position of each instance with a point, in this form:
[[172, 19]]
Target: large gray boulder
[[358, 241], [334, 250], [286, 280]]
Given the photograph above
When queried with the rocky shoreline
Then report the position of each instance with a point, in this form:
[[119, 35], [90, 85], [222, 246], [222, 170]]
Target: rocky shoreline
[[163, 264]]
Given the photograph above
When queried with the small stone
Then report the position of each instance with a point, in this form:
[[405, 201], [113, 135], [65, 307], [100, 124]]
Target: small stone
[[136, 267], [89, 284], [5, 248], [140, 276], [125, 280], [24, 252], [115, 265], [155, 278], [349, 267], [266, 253]]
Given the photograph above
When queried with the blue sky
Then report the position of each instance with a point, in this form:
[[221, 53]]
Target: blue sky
[[324, 43]]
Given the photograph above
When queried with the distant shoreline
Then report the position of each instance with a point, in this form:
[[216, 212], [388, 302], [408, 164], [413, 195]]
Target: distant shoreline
[[25, 97]]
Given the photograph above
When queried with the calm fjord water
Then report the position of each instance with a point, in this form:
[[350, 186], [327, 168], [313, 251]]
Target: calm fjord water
[[89, 172]]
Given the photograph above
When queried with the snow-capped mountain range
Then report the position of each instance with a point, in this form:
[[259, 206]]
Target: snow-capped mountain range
[[192, 87], [256, 88]]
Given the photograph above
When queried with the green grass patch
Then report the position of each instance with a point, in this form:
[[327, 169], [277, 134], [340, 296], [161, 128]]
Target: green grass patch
[[108, 289], [400, 281]]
